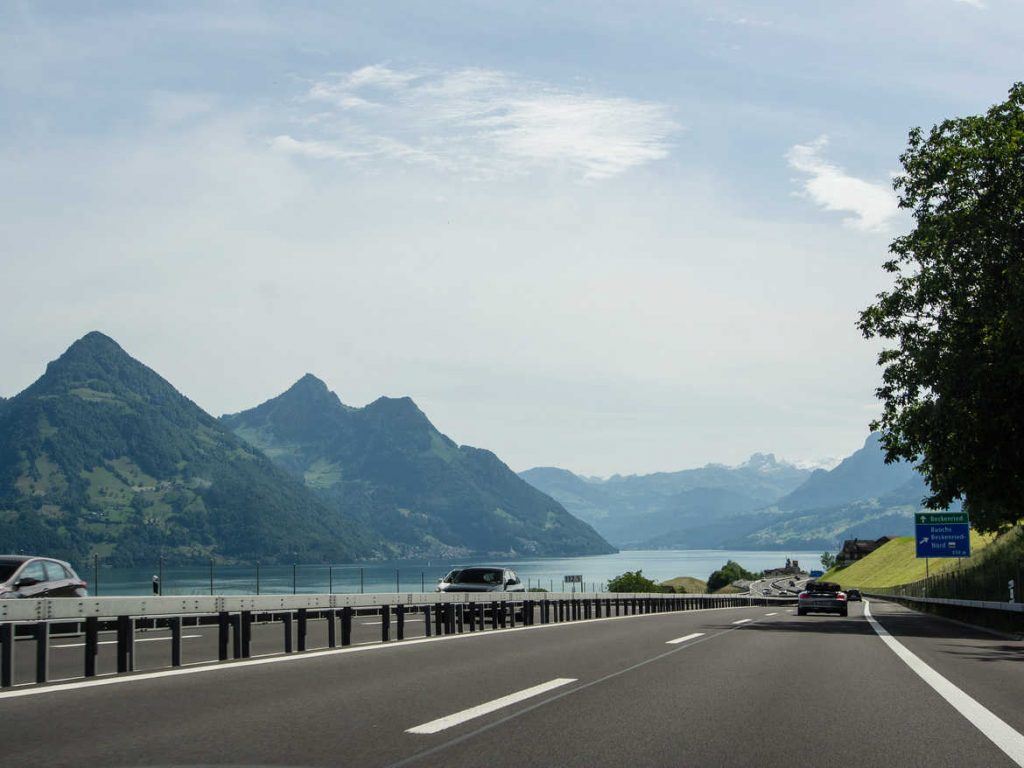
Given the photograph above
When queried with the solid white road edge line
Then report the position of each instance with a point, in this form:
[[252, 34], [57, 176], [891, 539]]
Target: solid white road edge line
[[281, 658], [774, 613], [997, 730], [684, 639], [443, 723], [742, 621]]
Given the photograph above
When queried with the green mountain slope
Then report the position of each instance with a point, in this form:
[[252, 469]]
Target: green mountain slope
[[102, 455], [426, 495]]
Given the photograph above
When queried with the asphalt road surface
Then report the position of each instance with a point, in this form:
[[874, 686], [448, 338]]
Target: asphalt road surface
[[746, 686]]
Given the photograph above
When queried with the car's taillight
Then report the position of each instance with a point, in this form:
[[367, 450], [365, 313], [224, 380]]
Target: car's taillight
[[840, 595], [803, 595]]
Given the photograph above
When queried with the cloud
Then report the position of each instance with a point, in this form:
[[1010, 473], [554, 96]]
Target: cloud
[[828, 185], [976, 3], [479, 122]]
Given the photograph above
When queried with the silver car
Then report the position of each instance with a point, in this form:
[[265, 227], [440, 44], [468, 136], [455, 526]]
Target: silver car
[[481, 578]]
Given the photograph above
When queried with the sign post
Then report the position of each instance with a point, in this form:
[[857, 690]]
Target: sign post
[[942, 534]]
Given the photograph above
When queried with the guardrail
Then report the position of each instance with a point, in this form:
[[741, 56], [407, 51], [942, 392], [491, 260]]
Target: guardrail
[[234, 617], [991, 613]]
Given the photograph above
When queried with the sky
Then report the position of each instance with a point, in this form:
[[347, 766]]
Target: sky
[[612, 237]]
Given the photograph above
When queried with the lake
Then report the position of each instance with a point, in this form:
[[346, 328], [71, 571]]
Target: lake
[[414, 575]]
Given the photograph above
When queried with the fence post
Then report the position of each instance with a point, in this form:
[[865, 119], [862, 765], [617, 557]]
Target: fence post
[[6, 655], [346, 626], [303, 627], [125, 643], [286, 620], [222, 635], [385, 623], [92, 645], [42, 650], [426, 621]]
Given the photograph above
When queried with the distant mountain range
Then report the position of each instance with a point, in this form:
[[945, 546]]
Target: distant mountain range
[[761, 504], [102, 455]]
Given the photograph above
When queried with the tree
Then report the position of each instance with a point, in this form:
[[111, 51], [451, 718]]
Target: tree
[[727, 574], [953, 385], [828, 561], [632, 581]]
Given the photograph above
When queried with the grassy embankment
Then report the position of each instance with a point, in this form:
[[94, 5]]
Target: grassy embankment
[[895, 563], [693, 586]]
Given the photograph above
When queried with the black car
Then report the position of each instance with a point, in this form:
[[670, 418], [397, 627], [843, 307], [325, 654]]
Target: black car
[[24, 576], [853, 595]]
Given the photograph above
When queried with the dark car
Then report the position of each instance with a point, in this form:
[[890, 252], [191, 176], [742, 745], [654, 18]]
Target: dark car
[[821, 597], [853, 595], [481, 579], [35, 577]]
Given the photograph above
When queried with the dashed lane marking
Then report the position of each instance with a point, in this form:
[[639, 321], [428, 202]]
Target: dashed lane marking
[[444, 723]]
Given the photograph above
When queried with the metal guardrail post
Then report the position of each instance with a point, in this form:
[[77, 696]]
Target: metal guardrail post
[[503, 614], [286, 621], [460, 617], [42, 650], [125, 644], [236, 635], [346, 626], [426, 621], [494, 614], [385, 623], [471, 616], [332, 630], [92, 645], [6, 655], [303, 628], [400, 621], [223, 635], [439, 619], [174, 624]]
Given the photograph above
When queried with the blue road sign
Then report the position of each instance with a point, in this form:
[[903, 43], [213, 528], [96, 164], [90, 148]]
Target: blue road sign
[[942, 534]]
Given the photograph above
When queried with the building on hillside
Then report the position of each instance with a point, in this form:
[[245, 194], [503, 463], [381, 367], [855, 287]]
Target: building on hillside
[[791, 568], [856, 549]]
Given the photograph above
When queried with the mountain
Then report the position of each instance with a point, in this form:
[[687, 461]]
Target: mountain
[[391, 468], [862, 497], [636, 510], [102, 455], [862, 474], [746, 507]]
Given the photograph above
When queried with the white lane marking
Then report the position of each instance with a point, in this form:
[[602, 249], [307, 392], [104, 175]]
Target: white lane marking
[[443, 723], [999, 732], [773, 613], [281, 658], [372, 623], [114, 642], [684, 639], [742, 621]]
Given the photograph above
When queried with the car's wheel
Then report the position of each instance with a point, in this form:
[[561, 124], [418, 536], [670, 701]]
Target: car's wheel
[[844, 613]]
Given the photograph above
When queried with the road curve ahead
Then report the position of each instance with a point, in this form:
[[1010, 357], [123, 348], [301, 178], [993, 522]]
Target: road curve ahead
[[744, 686]]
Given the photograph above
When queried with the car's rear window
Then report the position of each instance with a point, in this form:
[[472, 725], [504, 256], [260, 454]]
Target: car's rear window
[[478, 576], [822, 586]]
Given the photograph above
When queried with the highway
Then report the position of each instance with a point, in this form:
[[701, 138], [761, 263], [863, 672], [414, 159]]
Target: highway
[[752, 686]]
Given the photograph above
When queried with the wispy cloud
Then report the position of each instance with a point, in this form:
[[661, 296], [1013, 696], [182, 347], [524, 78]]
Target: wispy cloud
[[828, 185], [976, 3], [477, 121]]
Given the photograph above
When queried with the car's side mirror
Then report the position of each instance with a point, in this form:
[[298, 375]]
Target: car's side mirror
[[510, 582]]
